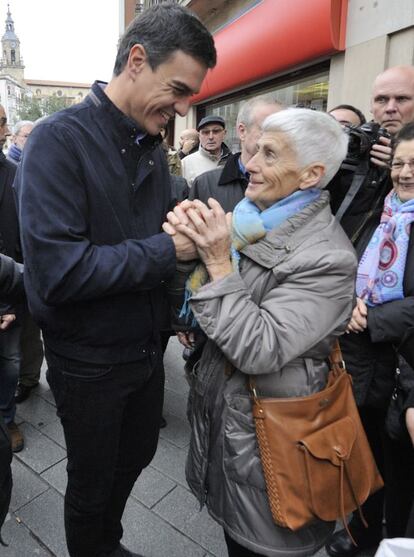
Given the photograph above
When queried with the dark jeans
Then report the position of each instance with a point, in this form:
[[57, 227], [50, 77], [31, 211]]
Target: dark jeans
[[236, 550], [110, 416], [31, 346], [9, 370]]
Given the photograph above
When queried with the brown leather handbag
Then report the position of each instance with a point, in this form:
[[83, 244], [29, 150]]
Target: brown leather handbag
[[316, 459]]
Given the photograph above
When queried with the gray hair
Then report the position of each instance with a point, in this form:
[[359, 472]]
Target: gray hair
[[21, 124], [315, 137], [246, 111]]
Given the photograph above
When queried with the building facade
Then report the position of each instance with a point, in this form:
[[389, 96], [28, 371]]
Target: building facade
[[315, 53], [13, 85]]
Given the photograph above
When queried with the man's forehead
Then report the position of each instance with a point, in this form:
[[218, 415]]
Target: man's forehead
[[394, 83]]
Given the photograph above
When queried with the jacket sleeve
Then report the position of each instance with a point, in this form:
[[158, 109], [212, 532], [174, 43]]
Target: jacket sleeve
[[11, 280], [314, 301], [64, 265], [389, 322]]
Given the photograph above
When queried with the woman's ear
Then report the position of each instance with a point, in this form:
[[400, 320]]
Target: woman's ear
[[311, 175]]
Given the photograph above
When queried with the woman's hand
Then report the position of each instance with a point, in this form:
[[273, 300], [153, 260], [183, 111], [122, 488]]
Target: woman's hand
[[409, 420], [209, 229], [358, 320]]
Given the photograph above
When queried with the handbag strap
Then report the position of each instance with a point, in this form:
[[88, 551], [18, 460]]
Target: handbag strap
[[337, 367]]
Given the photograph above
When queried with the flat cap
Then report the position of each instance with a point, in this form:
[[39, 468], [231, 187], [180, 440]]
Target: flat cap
[[212, 119]]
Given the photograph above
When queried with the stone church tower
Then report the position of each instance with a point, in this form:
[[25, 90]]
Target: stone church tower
[[11, 62]]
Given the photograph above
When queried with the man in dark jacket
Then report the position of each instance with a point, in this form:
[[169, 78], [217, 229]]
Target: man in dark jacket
[[10, 327], [94, 190], [369, 356], [227, 185], [11, 288]]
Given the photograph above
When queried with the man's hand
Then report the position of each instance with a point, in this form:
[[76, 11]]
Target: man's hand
[[188, 145], [409, 420], [381, 152], [184, 246], [6, 321], [358, 320]]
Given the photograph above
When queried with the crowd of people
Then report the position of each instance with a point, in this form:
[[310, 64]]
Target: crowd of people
[[258, 260]]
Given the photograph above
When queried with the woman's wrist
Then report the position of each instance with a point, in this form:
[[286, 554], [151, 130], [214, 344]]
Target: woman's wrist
[[219, 269]]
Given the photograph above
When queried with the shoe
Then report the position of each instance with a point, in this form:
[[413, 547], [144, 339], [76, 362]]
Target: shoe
[[22, 392], [122, 551], [16, 437], [340, 544], [163, 422]]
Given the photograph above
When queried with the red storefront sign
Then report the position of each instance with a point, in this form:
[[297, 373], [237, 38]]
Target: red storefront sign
[[272, 37]]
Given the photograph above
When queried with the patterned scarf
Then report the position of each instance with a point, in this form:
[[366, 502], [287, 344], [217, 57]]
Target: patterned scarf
[[249, 225], [381, 269]]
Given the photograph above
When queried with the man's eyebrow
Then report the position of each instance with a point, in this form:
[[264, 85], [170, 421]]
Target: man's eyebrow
[[182, 86]]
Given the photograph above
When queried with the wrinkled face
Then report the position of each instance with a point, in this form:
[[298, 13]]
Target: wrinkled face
[[402, 170], [20, 138], [161, 93], [211, 138], [249, 135], [346, 117], [392, 103], [274, 170], [4, 129]]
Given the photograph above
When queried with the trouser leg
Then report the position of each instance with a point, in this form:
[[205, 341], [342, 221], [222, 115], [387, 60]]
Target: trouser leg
[[138, 443], [101, 409], [9, 371], [373, 509], [31, 351], [399, 486]]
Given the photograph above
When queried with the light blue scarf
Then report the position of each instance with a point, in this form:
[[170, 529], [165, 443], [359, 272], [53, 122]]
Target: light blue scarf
[[249, 224], [381, 269]]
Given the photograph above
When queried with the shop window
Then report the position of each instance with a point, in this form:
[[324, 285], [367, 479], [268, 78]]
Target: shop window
[[310, 91]]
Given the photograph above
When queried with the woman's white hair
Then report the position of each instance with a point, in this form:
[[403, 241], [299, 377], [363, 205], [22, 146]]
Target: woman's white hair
[[315, 137]]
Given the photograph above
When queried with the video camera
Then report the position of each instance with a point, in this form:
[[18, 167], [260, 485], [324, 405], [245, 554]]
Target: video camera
[[361, 140]]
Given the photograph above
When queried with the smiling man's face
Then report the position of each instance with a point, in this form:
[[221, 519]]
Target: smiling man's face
[[165, 91]]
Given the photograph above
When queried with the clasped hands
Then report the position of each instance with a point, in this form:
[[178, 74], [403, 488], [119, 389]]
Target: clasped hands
[[201, 231]]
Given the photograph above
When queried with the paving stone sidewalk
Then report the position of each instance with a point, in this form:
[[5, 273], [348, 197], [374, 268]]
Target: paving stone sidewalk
[[162, 518]]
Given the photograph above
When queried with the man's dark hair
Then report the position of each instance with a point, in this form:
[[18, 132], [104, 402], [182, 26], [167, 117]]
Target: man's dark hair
[[406, 133], [162, 30], [352, 109]]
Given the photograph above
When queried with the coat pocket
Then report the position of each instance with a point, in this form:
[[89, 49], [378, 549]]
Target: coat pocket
[[241, 460]]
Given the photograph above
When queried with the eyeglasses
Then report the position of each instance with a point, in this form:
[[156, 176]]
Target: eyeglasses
[[398, 165], [214, 131]]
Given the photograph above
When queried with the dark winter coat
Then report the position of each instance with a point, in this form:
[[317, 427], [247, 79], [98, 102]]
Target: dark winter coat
[[92, 203], [225, 184], [9, 227], [371, 356]]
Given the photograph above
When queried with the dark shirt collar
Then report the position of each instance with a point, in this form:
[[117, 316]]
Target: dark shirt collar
[[126, 126], [232, 171]]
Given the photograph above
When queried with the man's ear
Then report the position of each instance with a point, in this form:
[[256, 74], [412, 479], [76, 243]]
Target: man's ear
[[241, 131], [136, 60], [311, 175]]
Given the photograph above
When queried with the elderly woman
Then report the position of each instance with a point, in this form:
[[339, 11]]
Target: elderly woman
[[382, 320], [271, 301]]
